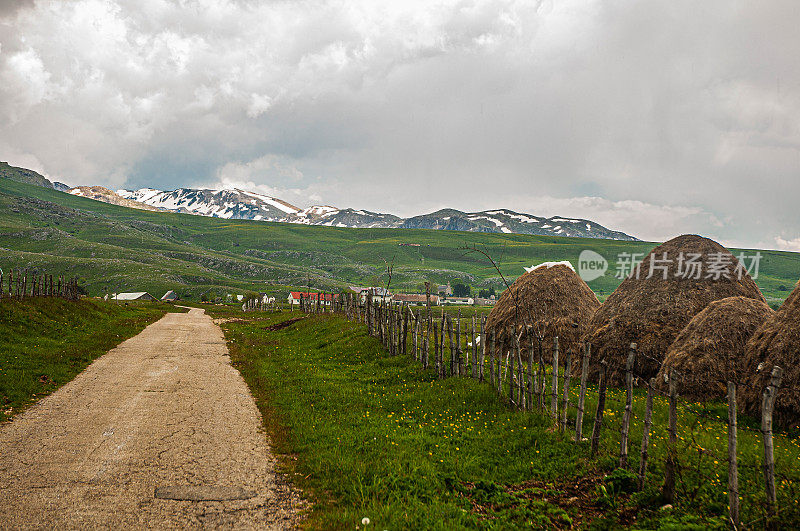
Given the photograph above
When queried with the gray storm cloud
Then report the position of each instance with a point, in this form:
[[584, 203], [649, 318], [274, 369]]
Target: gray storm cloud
[[655, 118]]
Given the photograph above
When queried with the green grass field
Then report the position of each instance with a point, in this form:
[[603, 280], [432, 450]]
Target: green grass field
[[368, 435], [113, 249], [45, 342]]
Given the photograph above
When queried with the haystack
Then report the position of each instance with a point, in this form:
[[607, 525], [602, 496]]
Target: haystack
[[553, 300], [651, 310], [710, 349], [777, 342]]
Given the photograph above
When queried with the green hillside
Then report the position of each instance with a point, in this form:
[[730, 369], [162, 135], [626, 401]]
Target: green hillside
[[113, 248], [23, 175]]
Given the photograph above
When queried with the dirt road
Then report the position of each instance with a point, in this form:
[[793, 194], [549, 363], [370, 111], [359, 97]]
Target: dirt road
[[160, 432]]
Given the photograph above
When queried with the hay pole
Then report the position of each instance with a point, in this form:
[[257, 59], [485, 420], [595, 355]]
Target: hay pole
[[733, 469], [565, 401], [554, 385], [648, 422], [768, 405], [601, 404], [626, 416], [668, 492], [587, 349]]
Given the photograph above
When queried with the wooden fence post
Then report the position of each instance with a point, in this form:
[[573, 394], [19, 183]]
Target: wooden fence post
[[492, 353], [543, 372], [648, 422], [520, 376], [733, 469], [565, 402], [626, 416], [511, 377], [459, 352], [532, 379], [483, 348], [474, 357], [554, 385], [601, 404], [668, 492], [767, 406], [587, 349], [426, 345], [436, 354]]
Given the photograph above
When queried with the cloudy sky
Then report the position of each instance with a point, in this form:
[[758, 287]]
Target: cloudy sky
[[656, 118]]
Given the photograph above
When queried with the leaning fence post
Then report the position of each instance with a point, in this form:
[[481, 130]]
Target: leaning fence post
[[733, 469], [565, 402], [554, 396], [768, 404], [587, 349], [668, 491], [648, 422], [601, 404], [626, 416]]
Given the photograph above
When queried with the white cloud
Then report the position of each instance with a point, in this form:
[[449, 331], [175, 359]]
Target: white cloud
[[681, 124], [788, 245]]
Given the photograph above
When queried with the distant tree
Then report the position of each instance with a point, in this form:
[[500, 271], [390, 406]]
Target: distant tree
[[492, 291], [460, 290], [483, 294]]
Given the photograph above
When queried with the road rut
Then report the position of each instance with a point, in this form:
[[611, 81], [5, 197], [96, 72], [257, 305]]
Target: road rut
[[164, 412]]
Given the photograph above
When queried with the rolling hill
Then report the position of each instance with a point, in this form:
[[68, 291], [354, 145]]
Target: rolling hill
[[112, 248]]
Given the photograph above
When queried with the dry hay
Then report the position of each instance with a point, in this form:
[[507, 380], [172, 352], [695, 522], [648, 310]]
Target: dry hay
[[554, 300], [652, 311], [710, 349], [777, 342]]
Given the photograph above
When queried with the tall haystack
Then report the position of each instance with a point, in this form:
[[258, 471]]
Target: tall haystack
[[710, 349], [777, 342], [652, 309], [551, 298]]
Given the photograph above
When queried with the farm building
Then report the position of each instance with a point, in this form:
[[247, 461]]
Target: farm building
[[553, 300], [777, 342], [464, 301], [170, 296], [709, 350], [137, 296], [378, 294], [324, 298], [673, 283], [414, 299]]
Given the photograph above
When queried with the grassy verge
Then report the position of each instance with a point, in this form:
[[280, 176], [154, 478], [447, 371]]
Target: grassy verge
[[45, 342], [372, 436]]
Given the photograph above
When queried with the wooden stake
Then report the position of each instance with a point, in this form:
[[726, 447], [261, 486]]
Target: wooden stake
[[601, 404], [626, 416], [648, 422], [554, 385], [767, 406], [483, 348], [733, 469], [587, 350], [565, 402], [668, 492]]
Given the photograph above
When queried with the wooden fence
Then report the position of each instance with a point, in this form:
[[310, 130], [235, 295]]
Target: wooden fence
[[23, 284], [456, 347]]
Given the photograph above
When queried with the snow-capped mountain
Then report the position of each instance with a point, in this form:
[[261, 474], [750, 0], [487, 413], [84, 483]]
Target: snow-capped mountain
[[228, 204], [240, 204]]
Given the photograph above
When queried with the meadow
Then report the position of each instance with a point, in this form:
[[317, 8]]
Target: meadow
[[368, 435], [113, 249]]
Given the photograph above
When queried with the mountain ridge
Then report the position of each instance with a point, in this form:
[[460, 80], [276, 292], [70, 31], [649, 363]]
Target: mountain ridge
[[241, 204]]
